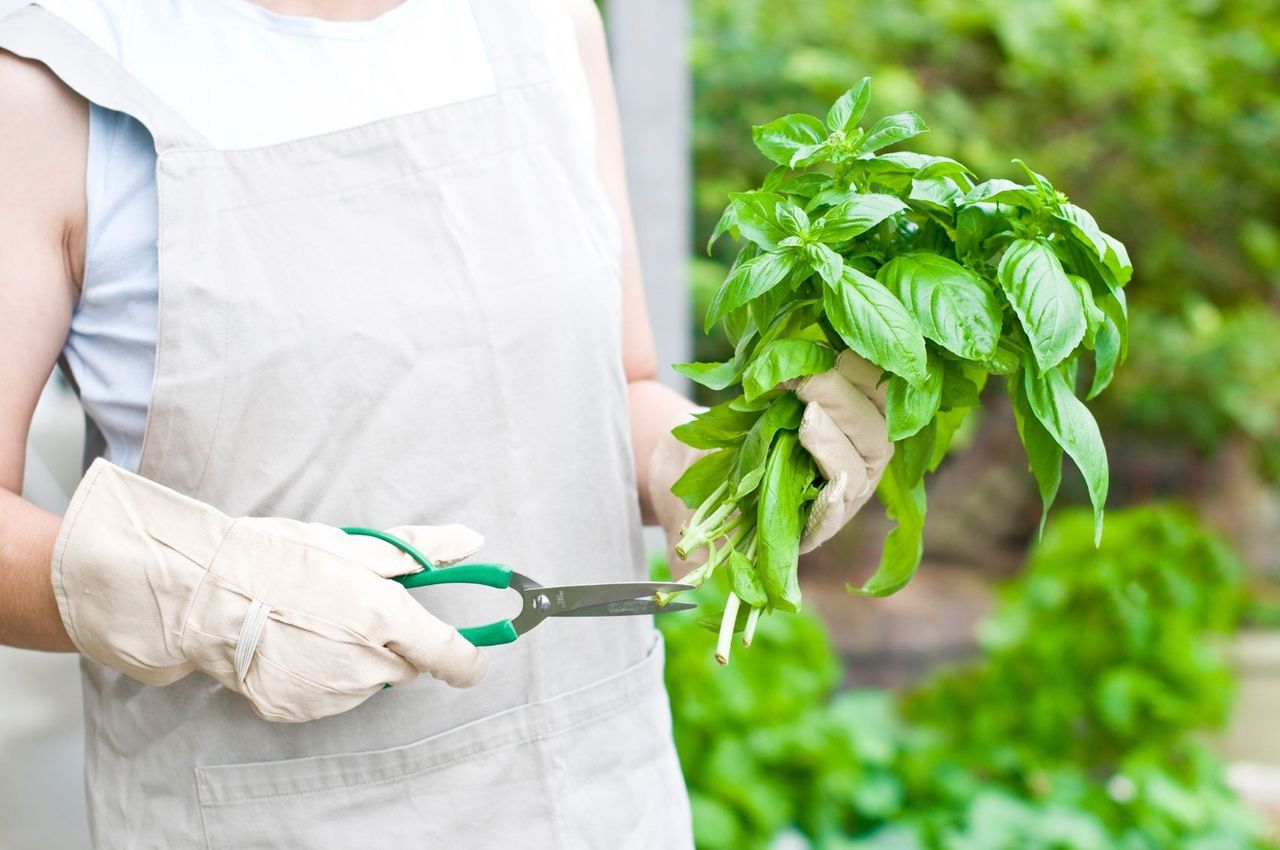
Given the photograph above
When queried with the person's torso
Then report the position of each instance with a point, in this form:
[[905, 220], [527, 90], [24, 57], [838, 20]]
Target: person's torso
[[244, 77]]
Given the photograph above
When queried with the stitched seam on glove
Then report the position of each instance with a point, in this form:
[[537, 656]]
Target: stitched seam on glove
[[64, 602]]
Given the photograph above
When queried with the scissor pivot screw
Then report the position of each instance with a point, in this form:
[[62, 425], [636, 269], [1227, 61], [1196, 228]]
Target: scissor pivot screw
[[541, 603]]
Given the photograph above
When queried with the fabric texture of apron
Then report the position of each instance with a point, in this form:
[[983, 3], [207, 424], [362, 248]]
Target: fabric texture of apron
[[414, 321]]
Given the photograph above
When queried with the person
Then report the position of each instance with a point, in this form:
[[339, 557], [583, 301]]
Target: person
[[315, 263]]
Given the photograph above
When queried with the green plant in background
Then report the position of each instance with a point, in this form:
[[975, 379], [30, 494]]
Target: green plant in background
[[1076, 729], [1162, 118], [1206, 376], [934, 278]]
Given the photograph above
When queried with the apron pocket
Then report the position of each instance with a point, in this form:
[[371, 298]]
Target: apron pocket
[[512, 778]]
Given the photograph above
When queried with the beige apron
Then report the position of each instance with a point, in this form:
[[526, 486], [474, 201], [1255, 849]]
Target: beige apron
[[413, 321]]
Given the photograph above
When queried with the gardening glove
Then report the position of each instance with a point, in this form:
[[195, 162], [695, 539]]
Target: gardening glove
[[843, 427], [298, 617]]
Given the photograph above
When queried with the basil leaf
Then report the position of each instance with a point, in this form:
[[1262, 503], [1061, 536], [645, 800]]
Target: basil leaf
[[1042, 184], [1117, 260], [794, 220], [728, 221], [947, 425], [745, 581], [874, 323], [827, 263], [935, 193], [999, 191], [1072, 426], [855, 216], [954, 306], [1042, 296], [810, 155], [891, 130], [782, 360], [704, 476], [905, 503], [805, 185], [1111, 344], [755, 216], [848, 110], [779, 140], [780, 519], [908, 409], [784, 413], [749, 280], [1082, 227], [1093, 315], [1044, 455], [715, 428]]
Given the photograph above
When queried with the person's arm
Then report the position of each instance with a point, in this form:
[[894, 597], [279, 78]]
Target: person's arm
[[653, 406], [43, 144]]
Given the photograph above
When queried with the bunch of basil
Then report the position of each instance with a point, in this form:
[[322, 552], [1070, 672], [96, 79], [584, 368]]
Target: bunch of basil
[[939, 280]]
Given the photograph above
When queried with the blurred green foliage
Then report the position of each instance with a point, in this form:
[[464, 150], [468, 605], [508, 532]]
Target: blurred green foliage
[[1160, 117], [1076, 730]]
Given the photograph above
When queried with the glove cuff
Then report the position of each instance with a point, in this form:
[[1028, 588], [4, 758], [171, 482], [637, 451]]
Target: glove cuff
[[125, 543]]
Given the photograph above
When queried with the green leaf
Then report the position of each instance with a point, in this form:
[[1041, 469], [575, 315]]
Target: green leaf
[[1042, 184], [891, 130], [827, 263], [954, 306], [947, 425], [811, 155], [794, 220], [935, 193], [1082, 227], [1111, 344], [782, 360], [1046, 303], [805, 185], [745, 581], [1044, 455], [783, 413], [779, 140], [749, 280], [728, 221], [718, 376], [975, 224], [908, 409], [704, 476], [781, 514], [856, 216], [874, 323], [904, 503], [1093, 315], [1117, 260], [1072, 426], [715, 428], [848, 110], [756, 217], [999, 191]]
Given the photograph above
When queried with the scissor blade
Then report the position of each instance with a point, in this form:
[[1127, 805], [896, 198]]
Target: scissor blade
[[572, 597], [627, 607]]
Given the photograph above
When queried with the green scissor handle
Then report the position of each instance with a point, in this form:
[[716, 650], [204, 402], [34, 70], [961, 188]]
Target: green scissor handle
[[490, 575]]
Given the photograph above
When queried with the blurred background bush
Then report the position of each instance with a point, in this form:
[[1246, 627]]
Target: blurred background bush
[[1077, 714]]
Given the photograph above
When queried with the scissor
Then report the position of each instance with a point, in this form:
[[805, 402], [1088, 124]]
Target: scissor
[[620, 599]]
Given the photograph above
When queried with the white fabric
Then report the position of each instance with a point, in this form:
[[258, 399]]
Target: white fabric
[[277, 78], [843, 428], [298, 617]]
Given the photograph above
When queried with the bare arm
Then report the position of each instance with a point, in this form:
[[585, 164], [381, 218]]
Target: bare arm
[[43, 142], [653, 406]]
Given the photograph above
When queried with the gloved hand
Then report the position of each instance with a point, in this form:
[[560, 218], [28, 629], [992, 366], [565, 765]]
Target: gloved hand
[[298, 617], [843, 427]]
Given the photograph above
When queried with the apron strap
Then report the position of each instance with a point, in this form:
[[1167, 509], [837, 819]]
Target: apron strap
[[35, 33], [511, 35]]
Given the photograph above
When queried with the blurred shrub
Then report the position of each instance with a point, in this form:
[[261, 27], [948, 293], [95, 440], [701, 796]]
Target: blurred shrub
[[1162, 118], [1075, 731], [1203, 376]]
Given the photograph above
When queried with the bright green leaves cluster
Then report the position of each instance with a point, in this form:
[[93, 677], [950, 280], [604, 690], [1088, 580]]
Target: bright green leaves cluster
[[937, 279]]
